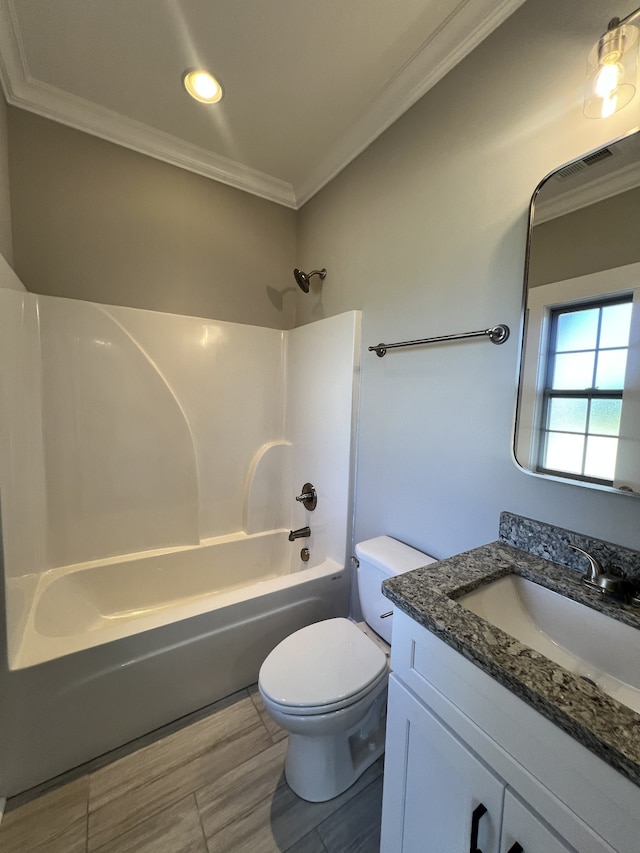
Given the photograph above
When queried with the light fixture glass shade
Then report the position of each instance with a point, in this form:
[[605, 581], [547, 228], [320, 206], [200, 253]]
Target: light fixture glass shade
[[202, 86], [612, 70]]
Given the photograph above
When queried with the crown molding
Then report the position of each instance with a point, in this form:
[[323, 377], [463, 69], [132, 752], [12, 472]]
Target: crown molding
[[82, 115], [459, 33], [23, 91], [607, 186], [463, 30]]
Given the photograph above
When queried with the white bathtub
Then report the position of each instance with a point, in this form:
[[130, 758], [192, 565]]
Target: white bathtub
[[72, 608], [108, 652]]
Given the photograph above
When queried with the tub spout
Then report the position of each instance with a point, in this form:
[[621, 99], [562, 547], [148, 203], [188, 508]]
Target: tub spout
[[300, 533]]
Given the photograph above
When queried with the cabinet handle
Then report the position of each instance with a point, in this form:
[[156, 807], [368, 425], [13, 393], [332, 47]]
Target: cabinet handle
[[477, 813], [516, 848]]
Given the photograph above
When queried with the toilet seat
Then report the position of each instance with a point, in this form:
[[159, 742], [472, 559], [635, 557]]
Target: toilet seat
[[322, 668], [317, 710]]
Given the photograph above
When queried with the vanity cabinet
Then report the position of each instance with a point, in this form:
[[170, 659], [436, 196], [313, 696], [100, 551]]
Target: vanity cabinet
[[450, 800], [471, 767]]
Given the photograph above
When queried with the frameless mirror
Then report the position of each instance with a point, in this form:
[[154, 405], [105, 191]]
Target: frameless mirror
[[578, 414]]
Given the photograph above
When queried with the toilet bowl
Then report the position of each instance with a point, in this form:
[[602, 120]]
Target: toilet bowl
[[326, 684]]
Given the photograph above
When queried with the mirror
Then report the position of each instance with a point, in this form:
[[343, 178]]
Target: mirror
[[578, 412]]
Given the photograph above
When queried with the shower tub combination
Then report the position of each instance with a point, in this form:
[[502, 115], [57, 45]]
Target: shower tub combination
[[146, 506]]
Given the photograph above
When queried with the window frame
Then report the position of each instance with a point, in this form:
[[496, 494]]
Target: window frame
[[589, 394]]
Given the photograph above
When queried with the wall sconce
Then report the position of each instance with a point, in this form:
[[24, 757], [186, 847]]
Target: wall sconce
[[612, 68]]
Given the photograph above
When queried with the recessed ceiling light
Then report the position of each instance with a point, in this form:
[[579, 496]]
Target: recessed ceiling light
[[202, 86]]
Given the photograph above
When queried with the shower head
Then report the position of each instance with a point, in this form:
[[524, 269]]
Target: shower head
[[303, 278]]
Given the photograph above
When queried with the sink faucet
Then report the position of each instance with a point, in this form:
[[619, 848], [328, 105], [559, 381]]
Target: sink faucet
[[596, 578], [594, 571], [300, 533]]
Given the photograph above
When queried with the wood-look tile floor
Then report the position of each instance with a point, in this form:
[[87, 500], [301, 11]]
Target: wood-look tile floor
[[211, 783]]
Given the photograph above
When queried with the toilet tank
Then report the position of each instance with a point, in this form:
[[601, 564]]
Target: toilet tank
[[381, 558]]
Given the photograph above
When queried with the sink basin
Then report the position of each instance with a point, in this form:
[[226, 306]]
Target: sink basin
[[584, 641]]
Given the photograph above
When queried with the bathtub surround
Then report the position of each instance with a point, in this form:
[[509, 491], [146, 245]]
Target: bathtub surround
[[148, 483]]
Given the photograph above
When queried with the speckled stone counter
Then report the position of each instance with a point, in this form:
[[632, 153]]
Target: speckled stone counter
[[428, 595]]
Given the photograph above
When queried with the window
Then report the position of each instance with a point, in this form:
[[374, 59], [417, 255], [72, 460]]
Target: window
[[582, 396]]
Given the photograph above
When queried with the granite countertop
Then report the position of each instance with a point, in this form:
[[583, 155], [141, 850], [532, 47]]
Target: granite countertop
[[603, 725]]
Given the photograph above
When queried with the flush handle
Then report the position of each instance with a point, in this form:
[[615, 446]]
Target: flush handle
[[386, 615]]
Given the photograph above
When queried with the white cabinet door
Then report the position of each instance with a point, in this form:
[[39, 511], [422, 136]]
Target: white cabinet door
[[523, 832], [438, 796]]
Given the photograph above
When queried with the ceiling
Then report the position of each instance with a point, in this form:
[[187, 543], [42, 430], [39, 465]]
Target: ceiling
[[308, 83]]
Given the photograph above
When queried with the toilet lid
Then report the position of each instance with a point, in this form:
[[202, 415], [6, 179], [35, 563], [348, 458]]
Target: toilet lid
[[322, 664]]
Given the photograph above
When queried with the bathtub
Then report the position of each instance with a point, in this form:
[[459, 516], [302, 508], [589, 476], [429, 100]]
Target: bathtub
[[109, 651], [76, 607]]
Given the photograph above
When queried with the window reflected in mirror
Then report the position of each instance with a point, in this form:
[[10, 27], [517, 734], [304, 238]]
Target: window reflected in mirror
[[578, 414], [582, 396]]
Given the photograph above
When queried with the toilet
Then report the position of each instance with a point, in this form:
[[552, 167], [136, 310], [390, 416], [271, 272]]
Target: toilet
[[326, 684]]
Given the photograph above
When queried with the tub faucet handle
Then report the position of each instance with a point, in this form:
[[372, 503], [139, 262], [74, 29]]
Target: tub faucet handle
[[308, 497]]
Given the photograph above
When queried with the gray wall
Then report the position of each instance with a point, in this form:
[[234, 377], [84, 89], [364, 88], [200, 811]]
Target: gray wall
[[6, 244], [92, 220], [426, 232]]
